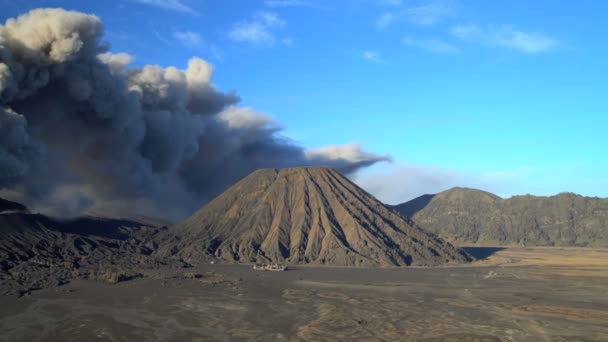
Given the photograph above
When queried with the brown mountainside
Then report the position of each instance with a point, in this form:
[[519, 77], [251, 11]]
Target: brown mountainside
[[468, 216], [305, 215]]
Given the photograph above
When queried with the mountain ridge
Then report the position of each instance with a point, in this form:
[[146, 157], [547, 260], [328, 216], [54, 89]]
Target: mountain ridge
[[37, 251], [10, 206], [465, 216]]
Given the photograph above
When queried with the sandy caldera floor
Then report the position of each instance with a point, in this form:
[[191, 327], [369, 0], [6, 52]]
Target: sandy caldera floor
[[515, 294]]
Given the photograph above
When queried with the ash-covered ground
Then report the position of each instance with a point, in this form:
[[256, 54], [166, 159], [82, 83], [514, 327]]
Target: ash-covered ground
[[541, 294]]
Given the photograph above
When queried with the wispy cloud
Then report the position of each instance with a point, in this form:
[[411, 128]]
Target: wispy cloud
[[424, 15], [172, 5], [373, 56], [399, 182], [507, 37], [188, 38], [269, 19], [258, 29], [287, 41], [287, 3], [431, 44], [390, 2], [396, 183], [216, 52], [161, 37]]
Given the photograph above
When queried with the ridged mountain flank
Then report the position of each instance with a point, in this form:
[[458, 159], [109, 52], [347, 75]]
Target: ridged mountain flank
[[9, 206], [466, 216], [38, 251], [305, 215]]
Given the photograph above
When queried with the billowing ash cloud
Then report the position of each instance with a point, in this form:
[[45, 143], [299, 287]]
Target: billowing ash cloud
[[81, 130]]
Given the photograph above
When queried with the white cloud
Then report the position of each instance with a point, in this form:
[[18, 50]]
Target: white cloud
[[287, 41], [257, 30], [172, 5], [352, 152], [188, 38], [373, 56], [430, 44], [507, 37], [424, 15], [252, 32], [244, 117], [342, 156], [117, 62]]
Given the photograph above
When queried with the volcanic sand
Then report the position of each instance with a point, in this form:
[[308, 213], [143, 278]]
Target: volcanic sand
[[514, 294]]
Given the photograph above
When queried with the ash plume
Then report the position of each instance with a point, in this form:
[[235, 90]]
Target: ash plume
[[82, 130]]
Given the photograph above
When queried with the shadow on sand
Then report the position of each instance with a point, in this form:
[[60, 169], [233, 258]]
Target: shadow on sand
[[482, 253]]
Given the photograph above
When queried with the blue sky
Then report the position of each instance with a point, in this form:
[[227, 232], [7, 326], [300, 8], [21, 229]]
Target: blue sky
[[507, 96]]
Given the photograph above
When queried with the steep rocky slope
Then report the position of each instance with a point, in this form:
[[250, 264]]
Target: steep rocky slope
[[38, 252], [9, 206], [304, 215], [472, 216]]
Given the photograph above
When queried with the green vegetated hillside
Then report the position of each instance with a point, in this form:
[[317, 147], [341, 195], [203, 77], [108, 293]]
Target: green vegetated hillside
[[469, 216]]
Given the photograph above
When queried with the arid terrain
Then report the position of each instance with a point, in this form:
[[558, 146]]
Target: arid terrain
[[512, 294], [303, 215], [471, 216], [162, 162]]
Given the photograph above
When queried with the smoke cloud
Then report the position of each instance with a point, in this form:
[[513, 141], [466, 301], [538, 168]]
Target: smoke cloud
[[81, 130]]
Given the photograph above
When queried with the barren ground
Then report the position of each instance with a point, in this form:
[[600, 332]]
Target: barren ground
[[515, 294]]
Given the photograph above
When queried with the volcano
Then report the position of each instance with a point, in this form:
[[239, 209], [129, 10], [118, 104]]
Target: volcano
[[307, 215]]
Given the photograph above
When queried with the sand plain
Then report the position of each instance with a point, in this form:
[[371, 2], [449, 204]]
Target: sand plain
[[512, 294]]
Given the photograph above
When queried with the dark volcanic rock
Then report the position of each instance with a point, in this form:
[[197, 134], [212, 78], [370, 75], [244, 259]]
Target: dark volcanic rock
[[472, 216], [304, 215], [8, 206], [39, 252]]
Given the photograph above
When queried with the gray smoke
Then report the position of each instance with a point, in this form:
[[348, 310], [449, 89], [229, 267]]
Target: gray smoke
[[81, 130]]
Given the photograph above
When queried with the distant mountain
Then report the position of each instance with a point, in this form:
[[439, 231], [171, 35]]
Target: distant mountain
[[466, 216], [305, 215], [8, 206]]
